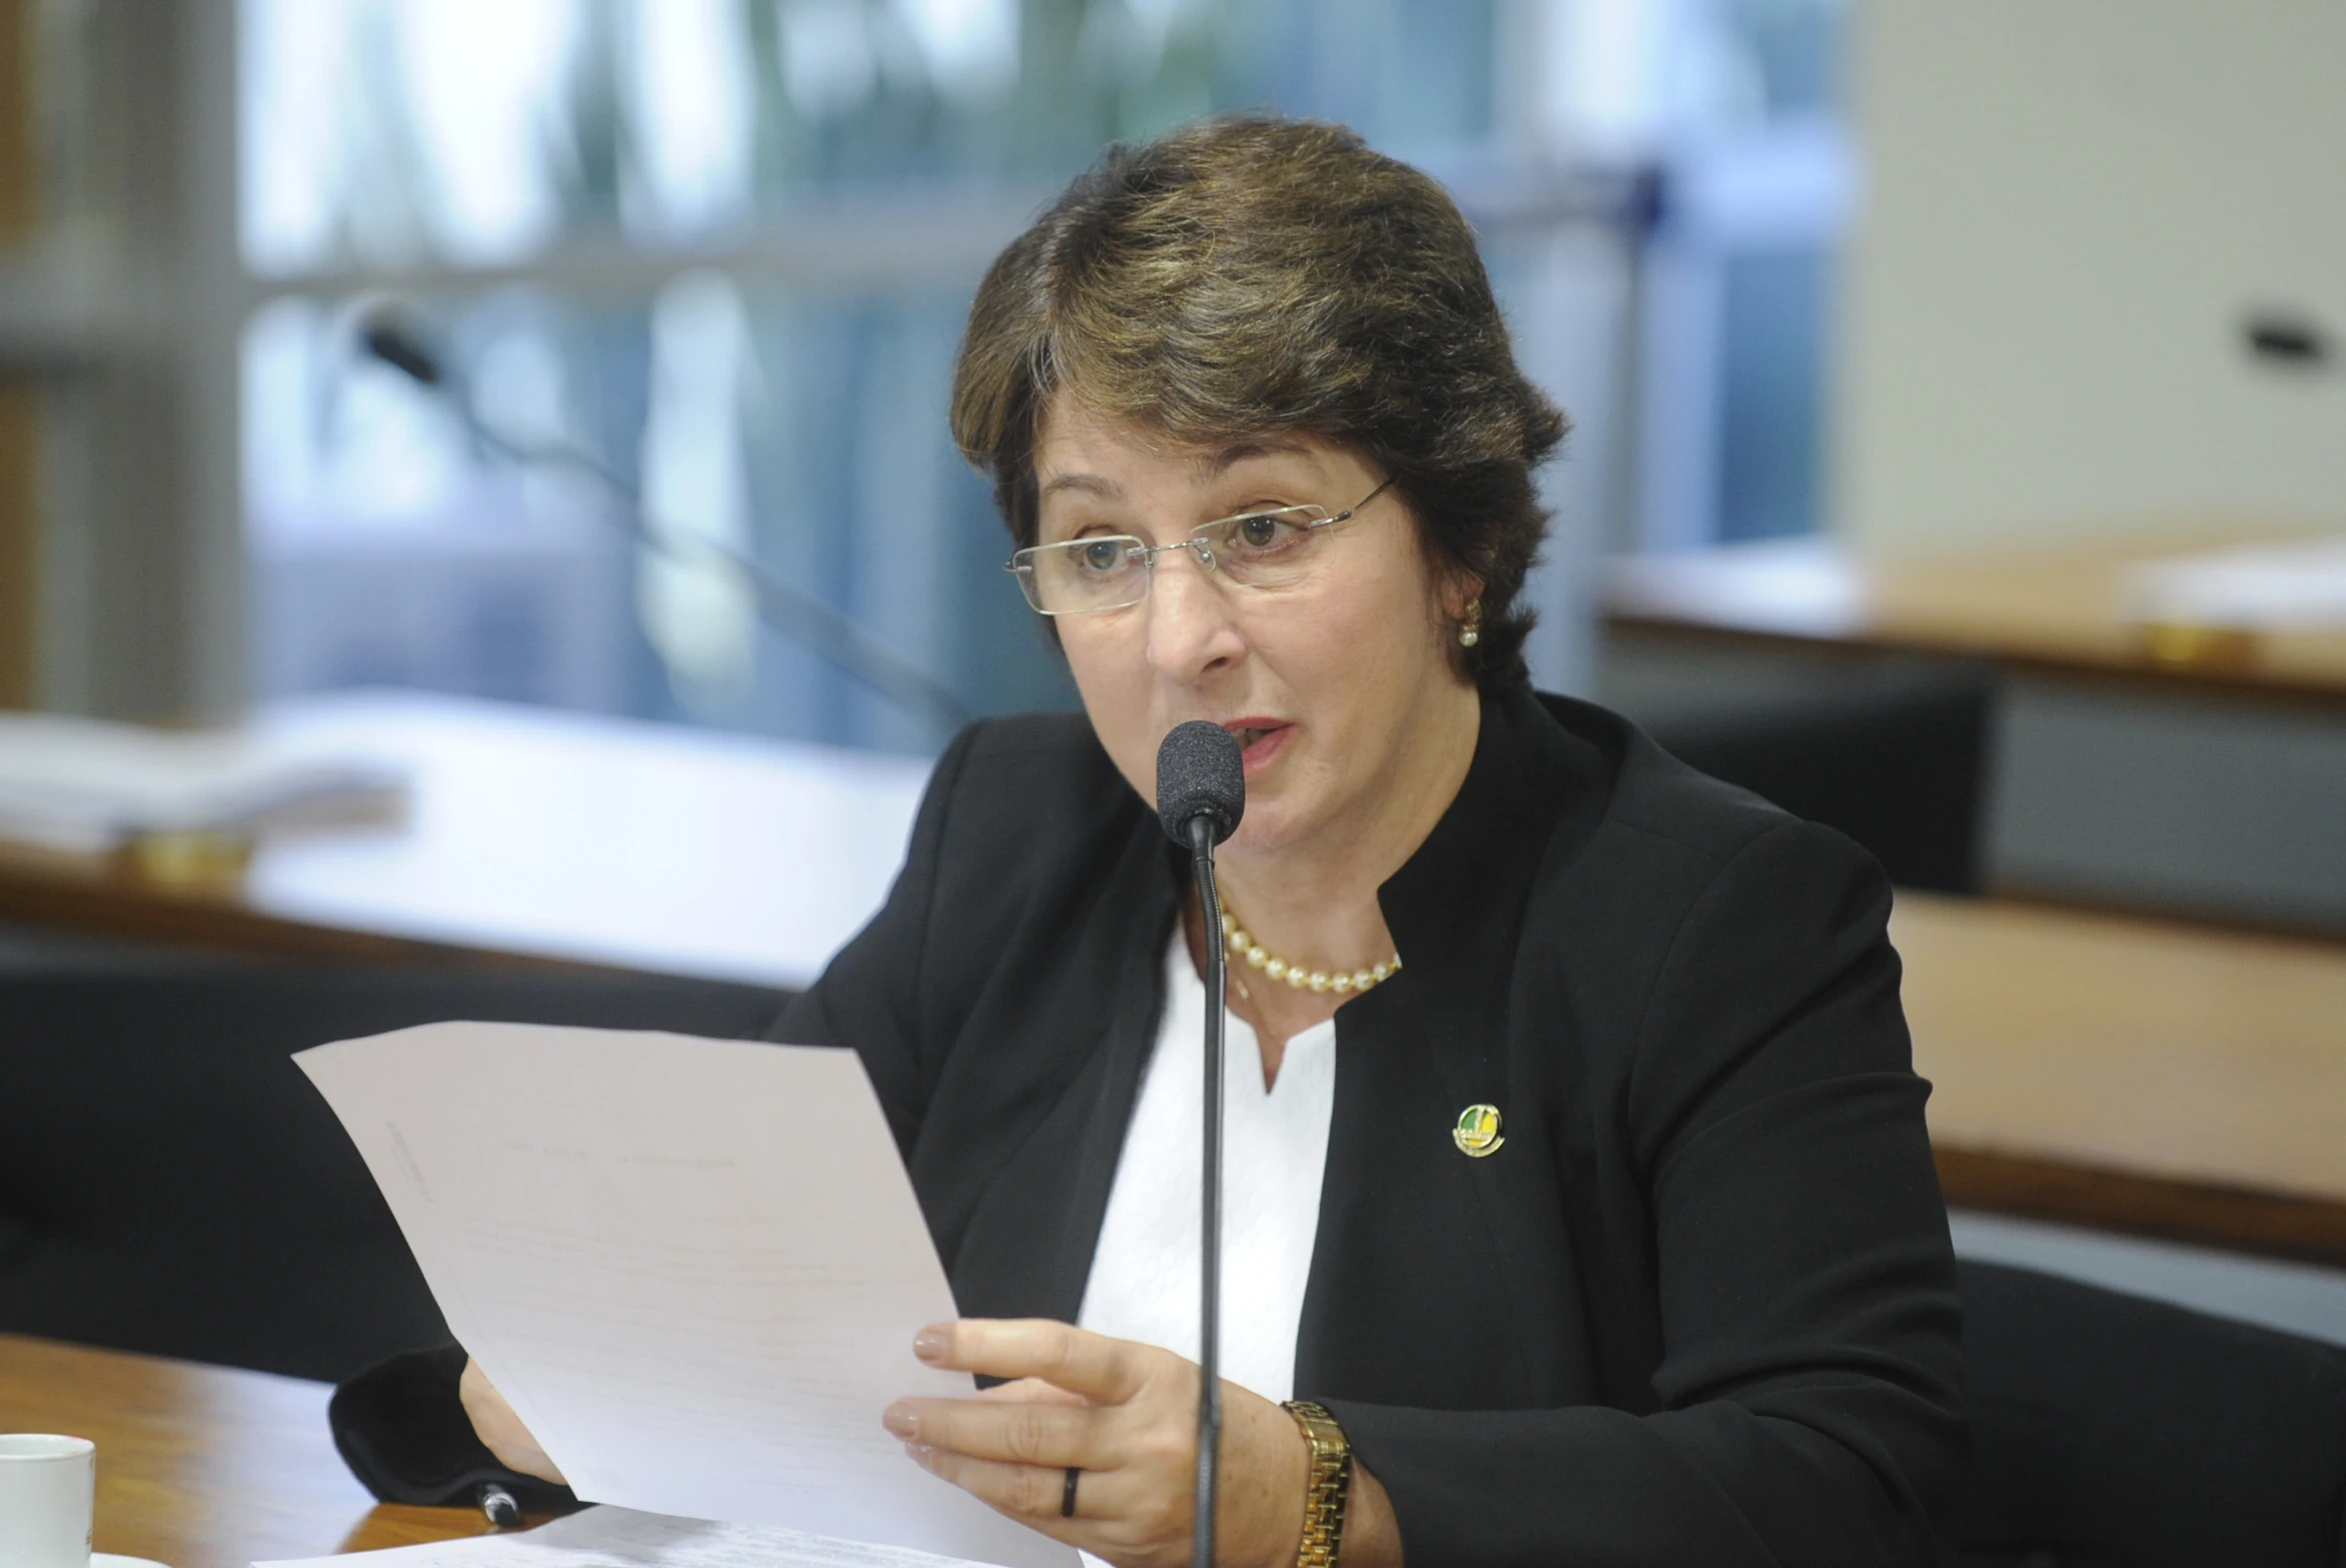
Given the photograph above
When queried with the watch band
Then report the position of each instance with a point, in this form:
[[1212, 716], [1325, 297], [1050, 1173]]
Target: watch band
[[1326, 1489]]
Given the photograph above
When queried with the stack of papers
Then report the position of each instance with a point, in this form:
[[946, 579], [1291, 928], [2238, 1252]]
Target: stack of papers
[[623, 1538], [85, 787], [694, 1267]]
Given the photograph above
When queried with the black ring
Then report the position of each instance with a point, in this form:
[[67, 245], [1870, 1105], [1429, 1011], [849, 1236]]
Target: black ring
[[1066, 1499]]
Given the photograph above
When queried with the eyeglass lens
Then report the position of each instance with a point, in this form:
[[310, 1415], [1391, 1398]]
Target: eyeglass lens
[[1108, 572]]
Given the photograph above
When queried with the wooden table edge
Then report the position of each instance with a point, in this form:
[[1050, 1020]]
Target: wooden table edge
[[111, 906], [2290, 1226], [2283, 687]]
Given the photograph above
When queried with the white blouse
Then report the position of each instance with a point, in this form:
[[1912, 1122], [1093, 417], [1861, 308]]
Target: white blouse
[[1143, 1284]]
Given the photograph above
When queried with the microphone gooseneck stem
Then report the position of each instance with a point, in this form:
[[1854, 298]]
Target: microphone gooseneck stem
[[782, 604], [1202, 838]]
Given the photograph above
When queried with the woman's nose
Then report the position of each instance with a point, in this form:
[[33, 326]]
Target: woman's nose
[[1191, 628]]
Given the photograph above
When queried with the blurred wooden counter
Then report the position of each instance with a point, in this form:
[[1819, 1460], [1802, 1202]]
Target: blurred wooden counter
[[205, 1467], [2058, 612], [2132, 1074], [535, 835]]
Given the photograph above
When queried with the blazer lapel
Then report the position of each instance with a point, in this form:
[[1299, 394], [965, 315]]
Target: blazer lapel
[[1028, 1249], [1414, 1054]]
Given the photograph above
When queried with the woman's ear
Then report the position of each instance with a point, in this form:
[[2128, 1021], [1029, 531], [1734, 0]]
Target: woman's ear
[[1459, 590]]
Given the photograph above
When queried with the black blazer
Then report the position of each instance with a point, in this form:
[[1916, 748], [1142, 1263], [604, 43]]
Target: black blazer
[[1698, 1309]]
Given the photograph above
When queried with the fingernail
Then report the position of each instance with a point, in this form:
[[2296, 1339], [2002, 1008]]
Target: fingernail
[[901, 1422], [919, 1453], [929, 1345]]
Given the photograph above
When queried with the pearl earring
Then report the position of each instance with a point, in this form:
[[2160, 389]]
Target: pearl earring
[[1470, 631]]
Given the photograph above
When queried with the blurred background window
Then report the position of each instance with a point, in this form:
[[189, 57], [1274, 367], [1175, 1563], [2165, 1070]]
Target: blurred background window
[[721, 247]]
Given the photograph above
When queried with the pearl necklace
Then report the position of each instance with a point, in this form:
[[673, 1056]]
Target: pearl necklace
[[1342, 984]]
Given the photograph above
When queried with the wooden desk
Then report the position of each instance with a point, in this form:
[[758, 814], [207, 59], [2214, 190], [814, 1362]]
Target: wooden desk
[[2058, 612], [205, 1467], [2132, 1074], [539, 834]]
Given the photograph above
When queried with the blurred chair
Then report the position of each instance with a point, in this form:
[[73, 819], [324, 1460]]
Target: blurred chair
[[170, 1182], [1892, 751], [2118, 1432]]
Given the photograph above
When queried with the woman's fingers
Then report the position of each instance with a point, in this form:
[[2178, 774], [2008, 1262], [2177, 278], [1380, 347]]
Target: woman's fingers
[[1031, 1493], [1111, 1508], [1021, 1431], [1107, 1371], [1123, 1417], [1031, 1390], [501, 1432]]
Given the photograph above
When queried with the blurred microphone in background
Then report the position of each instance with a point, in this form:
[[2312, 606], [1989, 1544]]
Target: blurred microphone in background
[[393, 336]]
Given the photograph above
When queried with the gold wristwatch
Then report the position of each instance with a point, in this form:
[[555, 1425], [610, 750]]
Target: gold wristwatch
[[1330, 1483]]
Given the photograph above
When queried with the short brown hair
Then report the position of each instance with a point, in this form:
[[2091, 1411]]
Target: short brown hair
[[1250, 274]]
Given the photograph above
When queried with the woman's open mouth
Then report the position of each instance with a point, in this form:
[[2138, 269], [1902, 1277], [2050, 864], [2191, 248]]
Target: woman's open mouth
[[1260, 740]]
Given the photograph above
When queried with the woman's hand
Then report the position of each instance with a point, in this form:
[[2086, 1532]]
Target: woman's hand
[[500, 1430], [1126, 1415]]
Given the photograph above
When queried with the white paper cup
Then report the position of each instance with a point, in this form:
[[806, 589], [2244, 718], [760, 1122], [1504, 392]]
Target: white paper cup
[[48, 1489]]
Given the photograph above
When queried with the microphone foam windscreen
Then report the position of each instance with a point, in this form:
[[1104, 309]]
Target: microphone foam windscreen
[[1200, 773]]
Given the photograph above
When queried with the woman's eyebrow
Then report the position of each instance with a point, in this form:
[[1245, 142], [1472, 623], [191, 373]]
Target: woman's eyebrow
[[1229, 456], [1086, 484]]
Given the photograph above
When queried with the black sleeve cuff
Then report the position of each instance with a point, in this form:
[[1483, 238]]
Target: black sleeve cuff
[[403, 1433]]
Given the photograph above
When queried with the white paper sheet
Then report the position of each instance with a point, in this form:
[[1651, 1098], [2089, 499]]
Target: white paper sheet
[[623, 1538], [694, 1267]]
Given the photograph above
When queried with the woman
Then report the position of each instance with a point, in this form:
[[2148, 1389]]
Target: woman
[[1579, 1176]]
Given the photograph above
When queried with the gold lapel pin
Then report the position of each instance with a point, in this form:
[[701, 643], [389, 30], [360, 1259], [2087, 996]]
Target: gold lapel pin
[[1477, 1133]]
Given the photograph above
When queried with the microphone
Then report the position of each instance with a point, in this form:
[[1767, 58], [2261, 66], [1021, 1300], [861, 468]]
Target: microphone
[[388, 336], [1200, 795], [1201, 776]]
